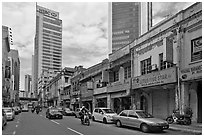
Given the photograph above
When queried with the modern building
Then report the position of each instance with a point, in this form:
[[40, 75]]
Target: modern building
[[127, 21], [28, 85], [5, 66], [48, 44], [14, 63]]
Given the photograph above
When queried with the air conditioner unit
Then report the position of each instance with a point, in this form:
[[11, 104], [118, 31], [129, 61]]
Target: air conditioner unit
[[154, 67]]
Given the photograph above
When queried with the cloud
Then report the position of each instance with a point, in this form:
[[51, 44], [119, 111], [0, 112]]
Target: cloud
[[84, 31], [162, 9]]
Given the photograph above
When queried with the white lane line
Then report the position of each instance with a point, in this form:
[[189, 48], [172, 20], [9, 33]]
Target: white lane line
[[14, 132], [75, 131], [16, 125], [41, 115], [55, 122]]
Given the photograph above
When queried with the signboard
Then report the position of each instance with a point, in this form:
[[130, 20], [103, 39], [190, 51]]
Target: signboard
[[47, 12], [196, 49], [156, 78], [191, 73]]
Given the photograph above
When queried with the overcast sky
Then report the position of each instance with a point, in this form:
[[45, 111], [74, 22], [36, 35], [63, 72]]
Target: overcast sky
[[85, 27]]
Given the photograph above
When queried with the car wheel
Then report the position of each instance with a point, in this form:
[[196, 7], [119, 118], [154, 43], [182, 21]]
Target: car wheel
[[144, 128], [104, 121], [170, 120], [118, 123], [93, 118]]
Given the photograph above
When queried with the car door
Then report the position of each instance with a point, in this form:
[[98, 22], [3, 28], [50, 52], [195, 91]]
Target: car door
[[133, 119], [100, 115], [96, 114], [123, 117]]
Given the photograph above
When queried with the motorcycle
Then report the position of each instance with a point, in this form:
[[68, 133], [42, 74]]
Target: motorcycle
[[32, 110], [37, 111], [85, 120], [178, 118]]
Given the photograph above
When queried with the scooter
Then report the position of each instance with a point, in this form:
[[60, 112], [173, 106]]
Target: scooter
[[85, 120], [37, 111], [178, 118], [32, 110]]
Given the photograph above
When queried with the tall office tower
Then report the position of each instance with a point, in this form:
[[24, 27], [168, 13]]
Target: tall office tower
[[14, 62], [127, 21], [28, 81], [48, 43]]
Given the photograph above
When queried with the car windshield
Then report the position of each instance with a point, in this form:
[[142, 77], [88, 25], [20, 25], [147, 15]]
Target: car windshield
[[8, 110], [144, 115], [108, 111]]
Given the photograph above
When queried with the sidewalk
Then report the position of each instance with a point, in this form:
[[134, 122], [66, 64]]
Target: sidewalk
[[195, 128]]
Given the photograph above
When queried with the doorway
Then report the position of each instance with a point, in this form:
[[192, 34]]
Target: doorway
[[143, 103], [199, 96]]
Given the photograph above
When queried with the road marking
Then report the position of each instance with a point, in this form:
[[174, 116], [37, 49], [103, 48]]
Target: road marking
[[14, 132], [41, 115], [55, 122], [16, 125], [75, 131], [17, 122]]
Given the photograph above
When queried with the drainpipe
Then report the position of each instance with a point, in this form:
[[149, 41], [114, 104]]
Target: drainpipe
[[178, 31]]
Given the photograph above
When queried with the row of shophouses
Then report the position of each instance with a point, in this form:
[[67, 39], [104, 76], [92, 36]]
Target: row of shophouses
[[158, 72]]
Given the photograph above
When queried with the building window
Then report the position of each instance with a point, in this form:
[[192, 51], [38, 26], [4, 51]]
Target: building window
[[116, 76], [196, 49], [163, 64], [146, 66], [127, 72], [66, 79]]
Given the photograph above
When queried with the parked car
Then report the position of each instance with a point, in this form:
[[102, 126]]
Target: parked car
[[53, 113], [9, 113], [140, 119], [4, 119], [103, 114], [67, 112]]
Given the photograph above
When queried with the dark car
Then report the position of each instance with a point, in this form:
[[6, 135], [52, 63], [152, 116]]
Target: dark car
[[53, 113]]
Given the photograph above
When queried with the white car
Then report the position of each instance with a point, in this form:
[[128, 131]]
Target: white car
[[103, 114], [9, 113]]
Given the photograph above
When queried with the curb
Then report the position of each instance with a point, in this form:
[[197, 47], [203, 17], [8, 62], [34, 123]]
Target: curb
[[197, 132]]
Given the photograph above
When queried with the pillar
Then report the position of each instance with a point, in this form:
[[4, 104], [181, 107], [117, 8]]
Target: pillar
[[109, 101], [94, 102]]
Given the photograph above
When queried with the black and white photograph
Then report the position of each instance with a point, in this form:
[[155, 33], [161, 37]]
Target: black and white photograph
[[101, 68]]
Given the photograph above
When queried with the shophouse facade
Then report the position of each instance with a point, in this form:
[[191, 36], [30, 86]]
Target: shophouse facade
[[191, 61], [75, 95], [157, 60], [120, 79], [93, 86], [55, 88]]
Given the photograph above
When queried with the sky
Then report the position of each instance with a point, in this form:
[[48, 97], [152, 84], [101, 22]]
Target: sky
[[84, 32]]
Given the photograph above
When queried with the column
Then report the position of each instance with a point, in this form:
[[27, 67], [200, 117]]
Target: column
[[94, 102], [109, 101]]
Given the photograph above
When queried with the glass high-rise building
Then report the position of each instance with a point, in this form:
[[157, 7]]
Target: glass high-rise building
[[48, 44], [127, 21]]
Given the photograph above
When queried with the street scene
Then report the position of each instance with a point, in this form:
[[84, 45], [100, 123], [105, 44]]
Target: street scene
[[101, 68], [70, 125]]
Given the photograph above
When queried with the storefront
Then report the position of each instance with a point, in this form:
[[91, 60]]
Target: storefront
[[155, 92], [192, 90]]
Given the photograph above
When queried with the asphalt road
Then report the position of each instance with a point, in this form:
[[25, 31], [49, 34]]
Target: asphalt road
[[27, 123]]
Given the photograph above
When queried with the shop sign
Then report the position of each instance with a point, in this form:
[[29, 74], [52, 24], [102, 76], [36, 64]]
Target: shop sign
[[47, 12], [194, 72], [155, 78]]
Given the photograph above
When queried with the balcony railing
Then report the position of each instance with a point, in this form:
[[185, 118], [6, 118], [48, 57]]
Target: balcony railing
[[119, 85]]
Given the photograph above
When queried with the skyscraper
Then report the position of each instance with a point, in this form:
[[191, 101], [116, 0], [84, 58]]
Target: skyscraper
[[127, 21], [48, 44], [28, 81]]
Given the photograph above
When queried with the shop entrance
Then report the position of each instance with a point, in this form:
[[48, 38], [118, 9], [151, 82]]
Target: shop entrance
[[199, 96], [143, 103]]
